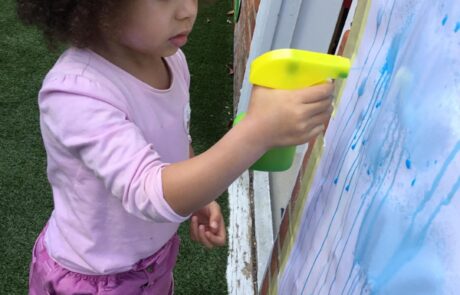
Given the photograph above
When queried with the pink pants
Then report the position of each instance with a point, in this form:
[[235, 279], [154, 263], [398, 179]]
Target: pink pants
[[152, 275]]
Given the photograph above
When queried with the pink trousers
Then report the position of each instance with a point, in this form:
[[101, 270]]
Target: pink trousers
[[152, 275]]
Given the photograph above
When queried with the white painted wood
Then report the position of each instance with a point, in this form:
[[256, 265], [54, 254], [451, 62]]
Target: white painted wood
[[315, 25], [240, 277], [266, 22], [239, 269], [263, 223], [288, 16], [281, 186]]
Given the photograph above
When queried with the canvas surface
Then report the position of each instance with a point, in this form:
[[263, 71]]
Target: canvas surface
[[382, 212]]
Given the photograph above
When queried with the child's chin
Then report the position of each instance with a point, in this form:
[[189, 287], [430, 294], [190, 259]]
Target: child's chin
[[170, 52]]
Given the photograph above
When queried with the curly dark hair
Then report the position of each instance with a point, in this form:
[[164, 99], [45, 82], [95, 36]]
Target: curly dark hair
[[75, 22]]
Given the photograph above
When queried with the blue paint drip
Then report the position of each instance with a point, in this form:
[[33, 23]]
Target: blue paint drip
[[413, 182], [437, 180], [336, 180], [413, 239], [379, 18], [408, 164], [348, 179], [444, 20], [380, 90], [377, 181], [377, 105], [457, 27], [392, 55], [362, 87], [347, 188], [353, 146]]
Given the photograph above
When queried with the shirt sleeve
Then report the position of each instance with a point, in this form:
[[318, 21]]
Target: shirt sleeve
[[86, 119]]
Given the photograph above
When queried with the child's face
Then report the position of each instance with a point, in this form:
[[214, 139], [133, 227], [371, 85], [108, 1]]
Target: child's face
[[157, 27]]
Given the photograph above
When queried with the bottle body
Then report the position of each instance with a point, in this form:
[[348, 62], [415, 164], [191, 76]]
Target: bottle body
[[276, 159]]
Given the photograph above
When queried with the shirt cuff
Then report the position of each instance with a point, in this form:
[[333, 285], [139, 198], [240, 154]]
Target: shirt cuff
[[163, 207]]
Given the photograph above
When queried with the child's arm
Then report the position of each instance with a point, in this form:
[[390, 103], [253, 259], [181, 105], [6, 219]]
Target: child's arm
[[207, 224], [274, 118], [86, 127]]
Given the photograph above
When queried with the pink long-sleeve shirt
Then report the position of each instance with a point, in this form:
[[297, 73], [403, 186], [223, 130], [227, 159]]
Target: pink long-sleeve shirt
[[107, 137]]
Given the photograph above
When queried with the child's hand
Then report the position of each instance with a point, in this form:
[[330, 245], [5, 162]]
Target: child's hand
[[289, 117], [207, 226]]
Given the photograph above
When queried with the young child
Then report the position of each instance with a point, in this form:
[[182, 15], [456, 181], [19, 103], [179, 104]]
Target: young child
[[114, 112]]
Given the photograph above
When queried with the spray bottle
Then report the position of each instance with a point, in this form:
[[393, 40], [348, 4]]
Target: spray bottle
[[291, 69]]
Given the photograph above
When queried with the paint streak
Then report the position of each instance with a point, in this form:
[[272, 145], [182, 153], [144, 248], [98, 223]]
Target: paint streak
[[362, 87], [444, 20], [392, 55], [457, 27]]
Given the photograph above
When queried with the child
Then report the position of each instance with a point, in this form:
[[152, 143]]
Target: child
[[114, 111]]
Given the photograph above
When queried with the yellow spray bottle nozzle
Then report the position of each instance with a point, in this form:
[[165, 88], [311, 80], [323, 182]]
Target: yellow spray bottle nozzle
[[294, 68], [291, 69]]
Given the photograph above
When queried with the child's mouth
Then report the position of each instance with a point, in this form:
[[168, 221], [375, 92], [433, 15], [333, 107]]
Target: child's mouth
[[179, 40]]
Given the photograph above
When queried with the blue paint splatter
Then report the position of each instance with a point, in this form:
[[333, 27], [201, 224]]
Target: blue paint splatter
[[444, 20], [363, 142], [336, 180], [368, 172], [413, 182], [353, 146], [408, 164], [377, 105], [347, 188], [457, 27]]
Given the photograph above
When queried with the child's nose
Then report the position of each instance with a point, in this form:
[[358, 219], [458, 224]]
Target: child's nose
[[187, 9]]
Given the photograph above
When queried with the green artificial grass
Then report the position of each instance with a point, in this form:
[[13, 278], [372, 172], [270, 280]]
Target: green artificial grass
[[25, 196]]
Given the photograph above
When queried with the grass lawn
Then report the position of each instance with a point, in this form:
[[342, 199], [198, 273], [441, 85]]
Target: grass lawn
[[26, 202]]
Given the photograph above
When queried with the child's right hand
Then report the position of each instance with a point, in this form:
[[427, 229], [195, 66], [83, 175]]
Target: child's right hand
[[274, 118], [289, 117]]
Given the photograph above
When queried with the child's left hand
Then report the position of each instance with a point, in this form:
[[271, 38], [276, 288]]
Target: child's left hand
[[207, 226]]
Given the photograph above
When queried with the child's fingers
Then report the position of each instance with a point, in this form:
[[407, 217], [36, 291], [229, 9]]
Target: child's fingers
[[321, 118], [194, 228], [219, 237], [215, 217], [216, 240], [314, 132], [222, 231], [318, 107], [317, 93], [203, 238]]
